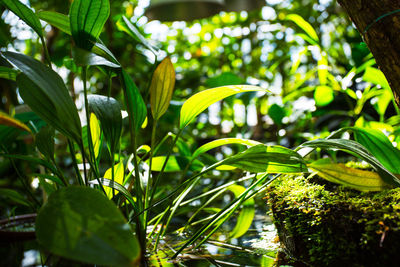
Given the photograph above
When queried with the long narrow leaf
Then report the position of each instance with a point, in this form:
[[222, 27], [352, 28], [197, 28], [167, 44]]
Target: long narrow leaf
[[7, 120], [7, 73], [222, 142], [304, 25]]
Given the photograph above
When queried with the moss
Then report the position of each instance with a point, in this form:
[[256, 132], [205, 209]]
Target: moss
[[322, 224]]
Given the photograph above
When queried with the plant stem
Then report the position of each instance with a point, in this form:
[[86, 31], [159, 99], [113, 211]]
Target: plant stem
[[75, 163], [46, 52]]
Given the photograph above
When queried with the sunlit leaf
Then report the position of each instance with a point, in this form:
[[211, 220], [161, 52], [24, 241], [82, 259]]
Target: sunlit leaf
[[80, 223], [304, 25], [58, 20], [125, 25], [7, 73], [24, 13], [95, 132], [200, 101], [45, 141], [380, 146], [323, 95], [174, 164], [87, 18], [358, 179], [118, 177], [135, 105], [375, 76], [271, 159], [7, 120], [108, 111], [45, 93], [246, 214], [323, 69], [222, 142], [161, 88], [357, 150]]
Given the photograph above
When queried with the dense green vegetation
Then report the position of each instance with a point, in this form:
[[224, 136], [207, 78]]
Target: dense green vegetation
[[189, 122]]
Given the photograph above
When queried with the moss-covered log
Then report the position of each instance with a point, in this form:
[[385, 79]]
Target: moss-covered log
[[336, 227]]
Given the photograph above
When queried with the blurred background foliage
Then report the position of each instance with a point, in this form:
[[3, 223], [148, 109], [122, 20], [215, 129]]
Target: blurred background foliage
[[320, 74]]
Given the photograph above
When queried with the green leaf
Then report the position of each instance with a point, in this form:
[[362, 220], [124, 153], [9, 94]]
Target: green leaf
[[58, 20], [45, 93], [357, 150], [222, 142], [108, 111], [323, 95], [271, 159], [87, 18], [304, 25], [323, 69], [24, 13], [45, 142], [277, 113], [174, 164], [161, 88], [380, 146], [14, 196], [245, 217], [7, 120], [7, 73], [86, 58], [375, 76], [134, 102], [225, 78], [123, 24], [118, 177], [200, 101], [95, 132], [350, 177], [80, 223], [34, 160]]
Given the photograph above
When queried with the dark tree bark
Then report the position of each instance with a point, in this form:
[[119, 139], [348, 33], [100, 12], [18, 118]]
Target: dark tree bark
[[378, 21]]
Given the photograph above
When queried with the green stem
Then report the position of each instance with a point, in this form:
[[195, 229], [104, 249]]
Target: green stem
[[109, 85], [75, 163], [46, 52]]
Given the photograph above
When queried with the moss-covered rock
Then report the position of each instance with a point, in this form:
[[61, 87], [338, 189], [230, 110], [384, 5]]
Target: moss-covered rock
[[322, 224]]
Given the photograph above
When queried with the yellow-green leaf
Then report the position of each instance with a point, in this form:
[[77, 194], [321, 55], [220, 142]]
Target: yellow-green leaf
[[7, 120], [221, 142], [246, 214], [161, 88], [96, 134], [358, 179], [200, 101], [304, 25], [323, 69], [118, 177], [323, 95]]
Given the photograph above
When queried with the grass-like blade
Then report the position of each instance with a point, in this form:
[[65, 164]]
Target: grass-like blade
[[44, 91], [80, 223], [357, 150], [175, 164], [34, 160], [7, 120], [358, 179], [87, 18], [222, 142], [200, 101], [24, 13], [304, 25], [161, 88], [14, 196], [134, 102], [108, 111]]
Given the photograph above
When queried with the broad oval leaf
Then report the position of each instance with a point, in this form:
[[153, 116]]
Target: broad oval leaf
[[323, 95], [108, 111], [24, 13], [304, 25], [271, 159], [161, 88], [118, 177], [7, 120], [136, 107], [87, 18], [380, 146], [45, 141], [125, 25], [357, 150], [58, 20], [45, 93], [358, 179], [222, 142], [80, 223], [246, 214], [200, 101]]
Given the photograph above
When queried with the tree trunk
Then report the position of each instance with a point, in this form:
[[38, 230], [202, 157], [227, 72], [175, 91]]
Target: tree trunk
[[378, 21]]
